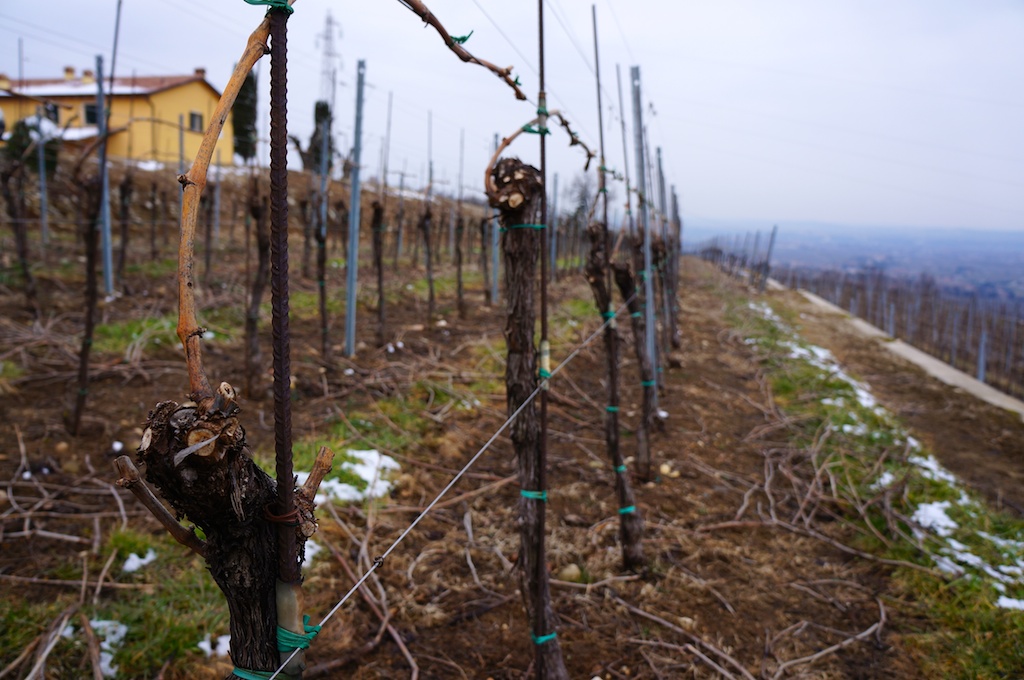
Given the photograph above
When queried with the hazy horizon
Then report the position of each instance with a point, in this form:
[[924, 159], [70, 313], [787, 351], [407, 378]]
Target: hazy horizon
[[866, 112]]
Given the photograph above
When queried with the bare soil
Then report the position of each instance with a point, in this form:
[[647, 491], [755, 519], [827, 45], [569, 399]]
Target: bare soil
[[757, 595]]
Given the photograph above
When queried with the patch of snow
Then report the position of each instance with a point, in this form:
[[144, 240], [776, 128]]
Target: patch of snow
[[1005, 543], [371, 466], [41, 126], [931, 469], [111, 634], [866, 399], [349, 371], [663, 414], [764, 310], [883, 481], [858, 430], [933, 516], [117, 447], [209, 335], [913, 443], [948, 566], [312, 550], [149, 166], [134, 562], [222, 647], [838, 401], [1009, 603]]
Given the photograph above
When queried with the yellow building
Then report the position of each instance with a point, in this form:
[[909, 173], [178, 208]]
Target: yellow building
[[149, 115]]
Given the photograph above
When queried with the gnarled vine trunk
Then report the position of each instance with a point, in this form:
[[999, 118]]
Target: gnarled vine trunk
[[517, 197], [630, 522], [626, 282]]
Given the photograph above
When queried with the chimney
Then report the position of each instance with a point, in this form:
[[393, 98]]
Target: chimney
[[88, 77], [201, 73], [69, 73], [5, 82]]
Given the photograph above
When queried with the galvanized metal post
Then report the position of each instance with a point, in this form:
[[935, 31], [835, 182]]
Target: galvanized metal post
[[982, 350], [181, 162], [41, 156], [353, 220], [101, 120], [554, 229], [638, 122], [768, 259]]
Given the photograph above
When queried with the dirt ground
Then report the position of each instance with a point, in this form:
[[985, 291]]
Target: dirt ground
[[729, 602], [981, 443]]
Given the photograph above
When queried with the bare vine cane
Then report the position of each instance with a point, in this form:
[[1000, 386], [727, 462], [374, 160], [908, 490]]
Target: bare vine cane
[[515, 190], [455, 44], [196, 455]]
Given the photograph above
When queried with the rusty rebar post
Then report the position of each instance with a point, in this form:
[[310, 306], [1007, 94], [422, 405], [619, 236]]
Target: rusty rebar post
[[287, 549]]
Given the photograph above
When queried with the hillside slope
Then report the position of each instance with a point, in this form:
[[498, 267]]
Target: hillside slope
[[787, 531]]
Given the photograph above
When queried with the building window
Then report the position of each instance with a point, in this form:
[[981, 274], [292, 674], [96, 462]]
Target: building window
[[90, 115], [195, 122]]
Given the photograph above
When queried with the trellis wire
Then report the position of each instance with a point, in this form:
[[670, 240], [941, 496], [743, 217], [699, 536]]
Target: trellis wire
[[379, 560]]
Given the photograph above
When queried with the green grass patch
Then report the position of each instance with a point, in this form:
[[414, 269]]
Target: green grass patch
[[167, 622], [116, 338], [10, 370], [967, 625], [154, 269]]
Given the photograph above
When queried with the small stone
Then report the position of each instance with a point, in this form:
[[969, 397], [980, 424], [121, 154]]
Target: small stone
[[570, 572], [61, 448]]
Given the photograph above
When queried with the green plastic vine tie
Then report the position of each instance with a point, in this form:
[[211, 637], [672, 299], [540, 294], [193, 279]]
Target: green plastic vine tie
[[648, 383], [611, 409], [245, 673], [636, 315], [541, 111], [607, 315], [628, 510], [287, 641], [539, 640], [516, 81], [544, 374], [273, 4], [527, 226], [536, 130], [620, 469], [461, 39], [534, 495]]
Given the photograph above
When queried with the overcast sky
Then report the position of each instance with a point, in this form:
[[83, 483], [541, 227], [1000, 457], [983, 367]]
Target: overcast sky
[[874, 112]]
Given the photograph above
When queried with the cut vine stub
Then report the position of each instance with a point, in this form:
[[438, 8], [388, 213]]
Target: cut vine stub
[[197, 457]]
